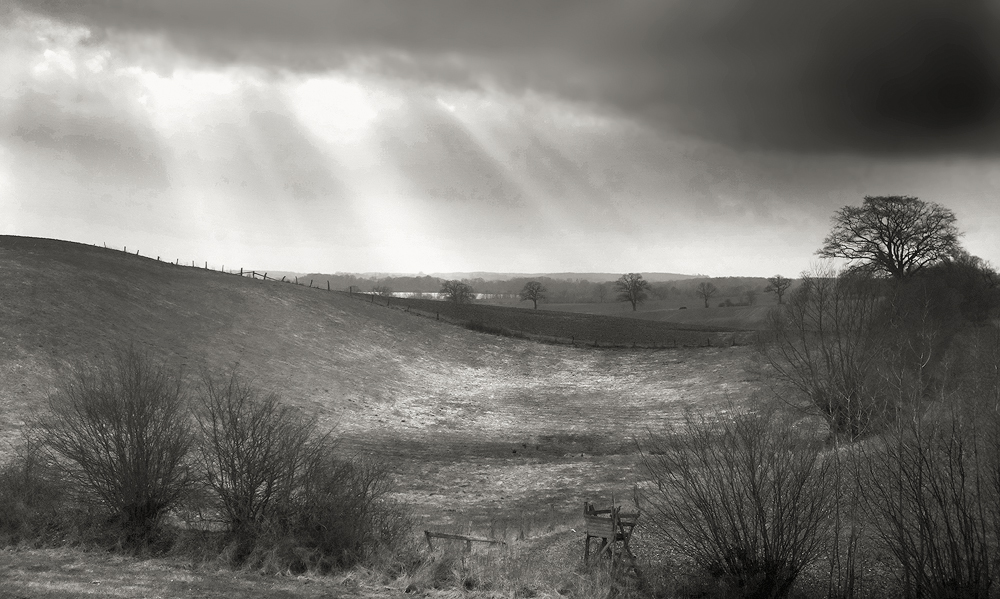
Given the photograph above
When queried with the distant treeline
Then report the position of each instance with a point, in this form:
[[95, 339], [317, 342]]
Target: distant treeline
[[560, 291]]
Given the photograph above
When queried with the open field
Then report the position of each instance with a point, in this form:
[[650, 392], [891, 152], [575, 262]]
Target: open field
[[568, 326], [735, 318], [481, 431]]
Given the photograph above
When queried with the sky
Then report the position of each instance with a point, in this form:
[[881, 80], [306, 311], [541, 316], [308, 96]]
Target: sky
[[686, 136]]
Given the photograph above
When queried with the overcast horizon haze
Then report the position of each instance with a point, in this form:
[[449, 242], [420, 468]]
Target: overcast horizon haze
[[522, 136]]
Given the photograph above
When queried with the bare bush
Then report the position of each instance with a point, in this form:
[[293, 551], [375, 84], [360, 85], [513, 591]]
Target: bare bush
[[119, 434], [828, 342], [344, 513], [745, 495], [933, 496], [864, 351], [254, 452], [32, 497], [288, 499]]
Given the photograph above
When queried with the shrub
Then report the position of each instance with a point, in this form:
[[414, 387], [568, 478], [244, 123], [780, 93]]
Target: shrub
[[933, 496], [344, 513], [32, 499], [745, 496], [828, 342], [254, 451], [118, 434], [288, 500]]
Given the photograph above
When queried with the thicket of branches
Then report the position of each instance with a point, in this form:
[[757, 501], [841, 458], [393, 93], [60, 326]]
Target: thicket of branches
[[864, 351], [123, 446], [744, 495], [118, 435], [281, 487]]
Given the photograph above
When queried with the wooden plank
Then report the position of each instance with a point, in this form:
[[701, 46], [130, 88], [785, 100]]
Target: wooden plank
[[599, 527], [447, 535]]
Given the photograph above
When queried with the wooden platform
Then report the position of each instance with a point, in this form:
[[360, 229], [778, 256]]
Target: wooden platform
[[614, 528]]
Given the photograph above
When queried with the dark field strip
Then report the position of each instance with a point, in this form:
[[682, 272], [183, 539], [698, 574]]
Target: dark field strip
[[567, 327]]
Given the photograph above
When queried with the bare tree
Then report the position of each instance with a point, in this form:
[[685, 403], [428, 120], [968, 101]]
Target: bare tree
[[602, 290], [120, 433], [778, 285], [896, 236], [458, 292], [706, 291], [745, 494], [750, 296], [632, 288], [254, 453], [382, 290], [534, 291]]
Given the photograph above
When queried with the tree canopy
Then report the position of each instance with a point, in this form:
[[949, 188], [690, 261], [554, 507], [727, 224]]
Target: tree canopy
[[778, 285], [896, 236], [632, 288], [706, 291], [458, 292], [534, 291]]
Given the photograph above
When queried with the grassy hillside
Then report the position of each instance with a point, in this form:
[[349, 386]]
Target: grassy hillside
[[469, 419]]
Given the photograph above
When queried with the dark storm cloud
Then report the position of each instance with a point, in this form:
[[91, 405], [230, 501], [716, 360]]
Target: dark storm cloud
[[869, 76]]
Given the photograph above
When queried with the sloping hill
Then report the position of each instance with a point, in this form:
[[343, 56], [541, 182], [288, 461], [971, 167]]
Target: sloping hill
[[449, 404]]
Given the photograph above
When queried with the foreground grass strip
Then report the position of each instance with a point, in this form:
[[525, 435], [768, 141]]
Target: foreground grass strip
[[68, 573]]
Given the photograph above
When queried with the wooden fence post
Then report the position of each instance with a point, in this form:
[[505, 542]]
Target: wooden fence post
[[328, 284]]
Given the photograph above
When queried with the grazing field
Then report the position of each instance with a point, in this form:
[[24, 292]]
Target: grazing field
[[734, 318], [481, 431], [569, 326]]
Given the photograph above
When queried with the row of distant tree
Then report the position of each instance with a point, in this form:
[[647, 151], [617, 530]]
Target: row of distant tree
[[888, 236], [630, 287], [745, 291]]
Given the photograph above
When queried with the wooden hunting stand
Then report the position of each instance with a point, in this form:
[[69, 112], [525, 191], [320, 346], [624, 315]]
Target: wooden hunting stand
[[614, 528]]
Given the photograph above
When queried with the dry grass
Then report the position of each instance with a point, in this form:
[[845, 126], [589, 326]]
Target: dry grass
[[71, 573]]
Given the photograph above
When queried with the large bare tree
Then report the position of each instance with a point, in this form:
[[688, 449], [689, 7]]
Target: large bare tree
[[892, 235], [778, 285], [632, 288], [458, 292], [534, 291], [706, 291]]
